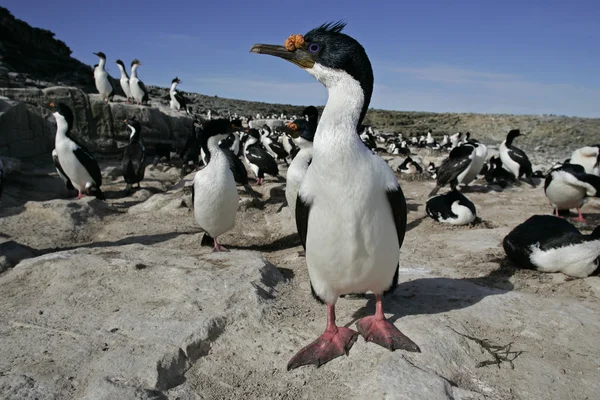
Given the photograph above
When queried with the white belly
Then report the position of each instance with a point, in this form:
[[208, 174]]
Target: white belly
[[565, 196], [76, 172], [136, 91], [294, 177], [464, 215], [174, 103], [103, 84], [125, 87], [475, 166], [508, 163], [352, 244], [578, 260], [215, 197]]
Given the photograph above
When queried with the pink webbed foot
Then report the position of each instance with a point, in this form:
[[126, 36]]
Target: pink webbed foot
[[334, 342], [218, 248], [379, 330], [260, 181], [80, 195], [579, 218]]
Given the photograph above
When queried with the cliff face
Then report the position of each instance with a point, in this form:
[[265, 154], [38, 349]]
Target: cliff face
[[35, 53]]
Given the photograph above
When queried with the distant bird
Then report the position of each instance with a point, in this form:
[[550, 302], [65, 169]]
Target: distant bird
[[569, 186], [496, 173], [76, 161], [275, 149], [550, 244], [514, 159], [430, 142], [350, 212], [132, 165], [257, 157], [432, 169], [454, 168], [125, 81], [177, 100], [455, 139], [410, 167], [214, 194], [138, 89], [303, 133], [60, 171], [451, 208], [589, 158], [103, 83]]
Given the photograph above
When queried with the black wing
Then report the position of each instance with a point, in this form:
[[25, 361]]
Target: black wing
[[521, 158], [240, 174], [89, 162], [302, 213], [143, 87], [181, 100], [133, 162], [451, 168], [399, 212], [590, 179], [61, 172], [262, 160]]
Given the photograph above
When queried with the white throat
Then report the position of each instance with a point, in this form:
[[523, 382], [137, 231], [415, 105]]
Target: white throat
[[61, 125], [102, 63], [173, 86], [134, 68], [341, 114], [123, 72]]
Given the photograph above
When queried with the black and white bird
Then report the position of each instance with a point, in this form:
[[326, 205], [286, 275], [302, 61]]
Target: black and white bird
[[410, 167], [350, 212], [551, 244], [454, 168], [124, 81], [479, 159], [76, 161], [451, 208], [137, 87], [132, 165], [430, 142], [303, 132], [178, 102], [257, 157], [569, 186], [61, 172], [514, 159], [214, 194], [103, 83], [589, 158], [496, 174]]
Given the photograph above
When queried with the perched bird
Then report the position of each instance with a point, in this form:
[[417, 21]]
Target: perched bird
[[177, 100], [103, 83], [496, 173], [350, 212], [125, 81], [214, 194], [137, 87], [479, 159], [589, 158], [451, 208], [303, 133], [514, 159], [454, 168], [569, 186], [60, 171], [432, 170], [550, 244], [76, 161], [257, 157], [132, 165]]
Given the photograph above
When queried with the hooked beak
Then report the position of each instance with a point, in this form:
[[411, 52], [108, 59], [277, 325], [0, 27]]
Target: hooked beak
[[299, 57]]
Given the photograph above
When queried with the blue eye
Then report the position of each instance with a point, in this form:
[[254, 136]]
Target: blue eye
[[314, 47]]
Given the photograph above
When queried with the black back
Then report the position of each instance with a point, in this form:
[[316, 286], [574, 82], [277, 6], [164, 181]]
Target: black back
[[440, 207]]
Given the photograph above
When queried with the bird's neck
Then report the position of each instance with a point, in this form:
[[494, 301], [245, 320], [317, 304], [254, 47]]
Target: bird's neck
[[123, 72], [339, 121], [134, 71], [62, 129], [102, 63], [509, 141], [173, 86]]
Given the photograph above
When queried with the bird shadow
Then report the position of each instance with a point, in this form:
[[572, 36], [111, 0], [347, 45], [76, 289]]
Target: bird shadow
[[438, 295], [413, 224], [286, 242]]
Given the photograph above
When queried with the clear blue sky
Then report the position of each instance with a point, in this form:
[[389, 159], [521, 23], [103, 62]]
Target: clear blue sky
[[460, 56]]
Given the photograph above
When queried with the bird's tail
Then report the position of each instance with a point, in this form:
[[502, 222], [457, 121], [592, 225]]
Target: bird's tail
[[207, 240], [434, 191], [251, 191]]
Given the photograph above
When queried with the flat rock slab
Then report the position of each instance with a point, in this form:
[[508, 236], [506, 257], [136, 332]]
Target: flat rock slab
[[121, 322]]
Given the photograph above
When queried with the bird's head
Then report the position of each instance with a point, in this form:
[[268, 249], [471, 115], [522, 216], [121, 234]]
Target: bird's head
[[119, 62], [135, 127], [331, 56], [136, 62], [176, 80], [101, 55], [62, 113]]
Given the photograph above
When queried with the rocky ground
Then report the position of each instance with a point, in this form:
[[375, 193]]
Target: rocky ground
[[117, 300]]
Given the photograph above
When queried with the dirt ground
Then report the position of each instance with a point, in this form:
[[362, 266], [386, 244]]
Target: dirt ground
[[155, 216]]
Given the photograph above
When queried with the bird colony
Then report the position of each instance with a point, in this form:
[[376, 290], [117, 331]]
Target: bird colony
[[348, 203]]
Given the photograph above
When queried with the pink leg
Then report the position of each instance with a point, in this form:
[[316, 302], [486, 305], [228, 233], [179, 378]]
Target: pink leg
[[217, 247], [334, 342], [579, 217], [556, 212], [260, 181], [378, 330], [80, 195]]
